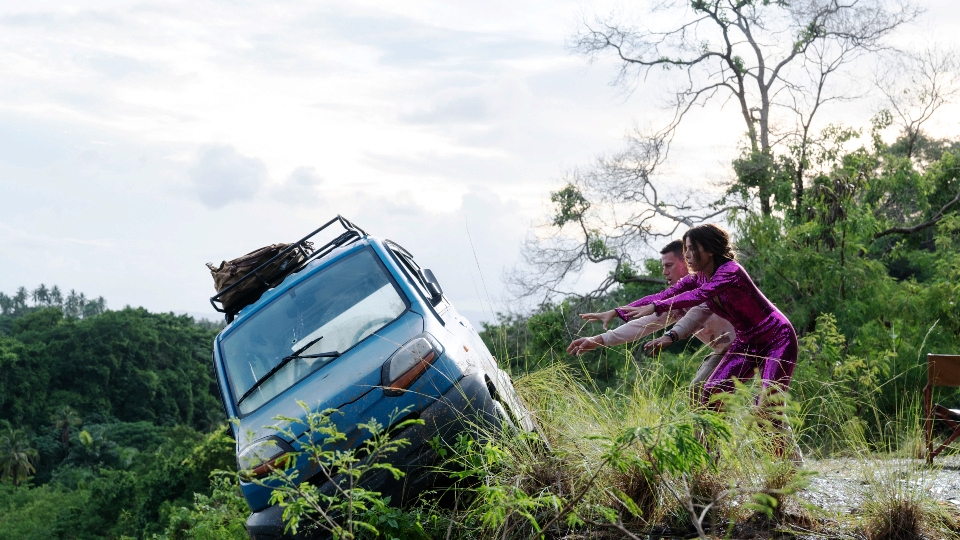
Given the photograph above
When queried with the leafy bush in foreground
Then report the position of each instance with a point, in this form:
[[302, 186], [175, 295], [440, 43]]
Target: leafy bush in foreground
[[340, 505]]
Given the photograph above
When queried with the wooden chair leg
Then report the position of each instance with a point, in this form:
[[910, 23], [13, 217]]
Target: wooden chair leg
[[946, 443], [928, 420], [944, 416]]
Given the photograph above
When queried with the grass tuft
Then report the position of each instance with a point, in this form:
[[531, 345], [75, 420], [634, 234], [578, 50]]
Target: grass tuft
[[898, 505], [898, 519]]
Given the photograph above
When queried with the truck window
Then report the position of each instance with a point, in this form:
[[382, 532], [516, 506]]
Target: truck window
[[404, 258], [344, 303]]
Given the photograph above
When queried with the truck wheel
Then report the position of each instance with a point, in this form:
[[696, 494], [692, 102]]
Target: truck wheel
[[502, 408]]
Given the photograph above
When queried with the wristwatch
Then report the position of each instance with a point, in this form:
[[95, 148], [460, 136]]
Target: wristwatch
[[673, 336]]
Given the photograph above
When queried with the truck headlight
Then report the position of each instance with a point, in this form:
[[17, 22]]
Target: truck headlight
[[406, 365], [263, 456]]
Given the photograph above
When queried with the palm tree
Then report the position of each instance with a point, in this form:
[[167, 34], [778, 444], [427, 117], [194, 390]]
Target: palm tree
[[56, 297], [6, 304], [63, 418], [95, 449], [16, 456], [71, 306], [94, 307], [20, 300], [41, 296]]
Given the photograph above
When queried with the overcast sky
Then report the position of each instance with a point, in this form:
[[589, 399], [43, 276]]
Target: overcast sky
[[139, 140]]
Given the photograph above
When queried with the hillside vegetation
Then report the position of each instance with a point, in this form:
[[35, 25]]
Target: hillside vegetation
[[869, 298], [110, 424], [109, 420]]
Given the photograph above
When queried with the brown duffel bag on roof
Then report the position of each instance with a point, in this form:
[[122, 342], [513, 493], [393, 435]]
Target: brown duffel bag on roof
[[248, 292]]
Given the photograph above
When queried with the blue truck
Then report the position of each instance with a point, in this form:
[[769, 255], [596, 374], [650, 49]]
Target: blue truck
[[357, 326]]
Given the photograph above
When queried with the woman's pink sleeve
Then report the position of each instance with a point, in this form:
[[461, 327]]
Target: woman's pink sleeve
[[688, 282], [723, 278]]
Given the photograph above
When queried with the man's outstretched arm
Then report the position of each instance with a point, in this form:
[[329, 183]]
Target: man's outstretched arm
[[638, 328], [691, 322]]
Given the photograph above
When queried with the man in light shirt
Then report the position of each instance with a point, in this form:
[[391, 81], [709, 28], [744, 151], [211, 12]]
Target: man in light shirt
[[698, 321]]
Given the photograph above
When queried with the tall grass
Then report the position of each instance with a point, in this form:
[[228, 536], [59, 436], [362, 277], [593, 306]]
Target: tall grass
[[636, 459], [628, 461]]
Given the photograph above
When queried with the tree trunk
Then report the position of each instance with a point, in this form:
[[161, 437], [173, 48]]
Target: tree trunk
[[798, 193], [765, 202]]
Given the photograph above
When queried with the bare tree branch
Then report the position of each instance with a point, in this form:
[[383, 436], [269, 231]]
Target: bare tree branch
[[609, 215], [751, 52], [918, 84], [921, 226], [643, 279]]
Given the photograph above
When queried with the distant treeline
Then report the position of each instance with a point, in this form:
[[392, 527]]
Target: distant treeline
[[75, 305], [110, 421], [130, 365]]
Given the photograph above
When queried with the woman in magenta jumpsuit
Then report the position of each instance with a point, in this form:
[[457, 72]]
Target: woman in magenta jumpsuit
[[765, 339]]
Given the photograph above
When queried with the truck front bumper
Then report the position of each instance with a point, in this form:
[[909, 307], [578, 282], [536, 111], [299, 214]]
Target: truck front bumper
[[460, 409]]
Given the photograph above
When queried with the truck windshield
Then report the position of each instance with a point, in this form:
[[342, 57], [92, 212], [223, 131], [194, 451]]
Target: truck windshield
[[335, 308]]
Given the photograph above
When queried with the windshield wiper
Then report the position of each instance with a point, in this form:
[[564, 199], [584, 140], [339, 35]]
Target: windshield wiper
[[286, 360], [297, 352]]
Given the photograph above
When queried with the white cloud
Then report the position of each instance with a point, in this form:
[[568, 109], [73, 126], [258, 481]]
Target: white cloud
[[417, 120], [17, 239], [222, 176], [468, 246], [462, 110], [300, 188]]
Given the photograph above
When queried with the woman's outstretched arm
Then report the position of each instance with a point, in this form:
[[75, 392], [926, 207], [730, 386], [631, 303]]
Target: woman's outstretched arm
[[724, 278], [686, 283]]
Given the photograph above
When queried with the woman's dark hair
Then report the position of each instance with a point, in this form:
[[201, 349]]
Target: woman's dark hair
[[711, 239]]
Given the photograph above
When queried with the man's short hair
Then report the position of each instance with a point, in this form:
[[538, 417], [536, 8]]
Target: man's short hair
[[675, 247]]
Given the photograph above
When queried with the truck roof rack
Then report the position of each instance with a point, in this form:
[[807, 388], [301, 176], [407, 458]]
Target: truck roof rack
[[351, 234]]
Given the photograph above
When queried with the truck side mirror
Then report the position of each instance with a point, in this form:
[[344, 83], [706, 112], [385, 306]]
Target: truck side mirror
[[436, 292]]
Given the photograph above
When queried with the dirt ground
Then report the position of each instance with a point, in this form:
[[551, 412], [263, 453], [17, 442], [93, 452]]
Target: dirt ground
[[841, 486]]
